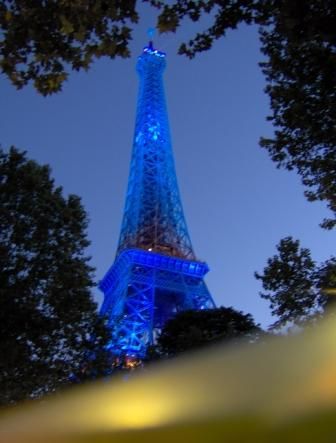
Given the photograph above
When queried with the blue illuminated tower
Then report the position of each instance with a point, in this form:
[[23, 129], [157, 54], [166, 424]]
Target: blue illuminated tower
[[155, 273]]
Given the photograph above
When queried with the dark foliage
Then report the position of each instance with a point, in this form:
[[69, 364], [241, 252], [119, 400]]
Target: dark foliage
[[297, 289], [50, 331], [325, 281], [41, 41], [195, 329], [225, 15], [300, 46]]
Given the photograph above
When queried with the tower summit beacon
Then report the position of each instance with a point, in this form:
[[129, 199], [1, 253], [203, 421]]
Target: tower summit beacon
[[155, 273]]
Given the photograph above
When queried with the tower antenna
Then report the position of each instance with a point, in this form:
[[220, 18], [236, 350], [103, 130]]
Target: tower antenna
[[151, 33]]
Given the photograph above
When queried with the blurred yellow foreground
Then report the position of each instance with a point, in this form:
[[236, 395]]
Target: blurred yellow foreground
[[281, 390]]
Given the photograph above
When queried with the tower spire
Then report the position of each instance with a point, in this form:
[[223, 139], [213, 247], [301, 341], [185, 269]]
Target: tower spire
[[156, 273], [150, 33]]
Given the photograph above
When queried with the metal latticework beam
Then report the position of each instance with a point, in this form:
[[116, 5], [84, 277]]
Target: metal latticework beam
[[143, 290]]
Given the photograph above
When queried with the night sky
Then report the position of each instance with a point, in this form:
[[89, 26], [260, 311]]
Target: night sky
[[237, 204]]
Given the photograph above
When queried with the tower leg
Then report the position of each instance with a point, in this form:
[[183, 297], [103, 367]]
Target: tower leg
[[143, 290]]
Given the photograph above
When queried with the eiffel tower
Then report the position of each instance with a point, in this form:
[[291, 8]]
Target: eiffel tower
[[155, 273]]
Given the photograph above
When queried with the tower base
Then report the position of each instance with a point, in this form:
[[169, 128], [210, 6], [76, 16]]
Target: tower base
[[143, 290]]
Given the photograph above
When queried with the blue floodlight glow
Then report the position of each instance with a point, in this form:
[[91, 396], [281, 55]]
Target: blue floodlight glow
[[156, 273]]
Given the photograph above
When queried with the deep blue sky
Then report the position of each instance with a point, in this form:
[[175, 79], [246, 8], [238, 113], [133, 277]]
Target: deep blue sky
[[237, 204]]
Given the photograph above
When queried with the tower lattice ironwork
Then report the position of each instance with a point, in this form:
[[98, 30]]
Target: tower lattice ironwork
[[155, 273]]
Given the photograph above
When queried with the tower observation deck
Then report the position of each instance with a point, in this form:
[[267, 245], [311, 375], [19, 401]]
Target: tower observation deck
[[155, 273]]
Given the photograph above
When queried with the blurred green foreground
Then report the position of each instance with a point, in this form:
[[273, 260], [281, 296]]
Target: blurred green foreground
[[280, 390]]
